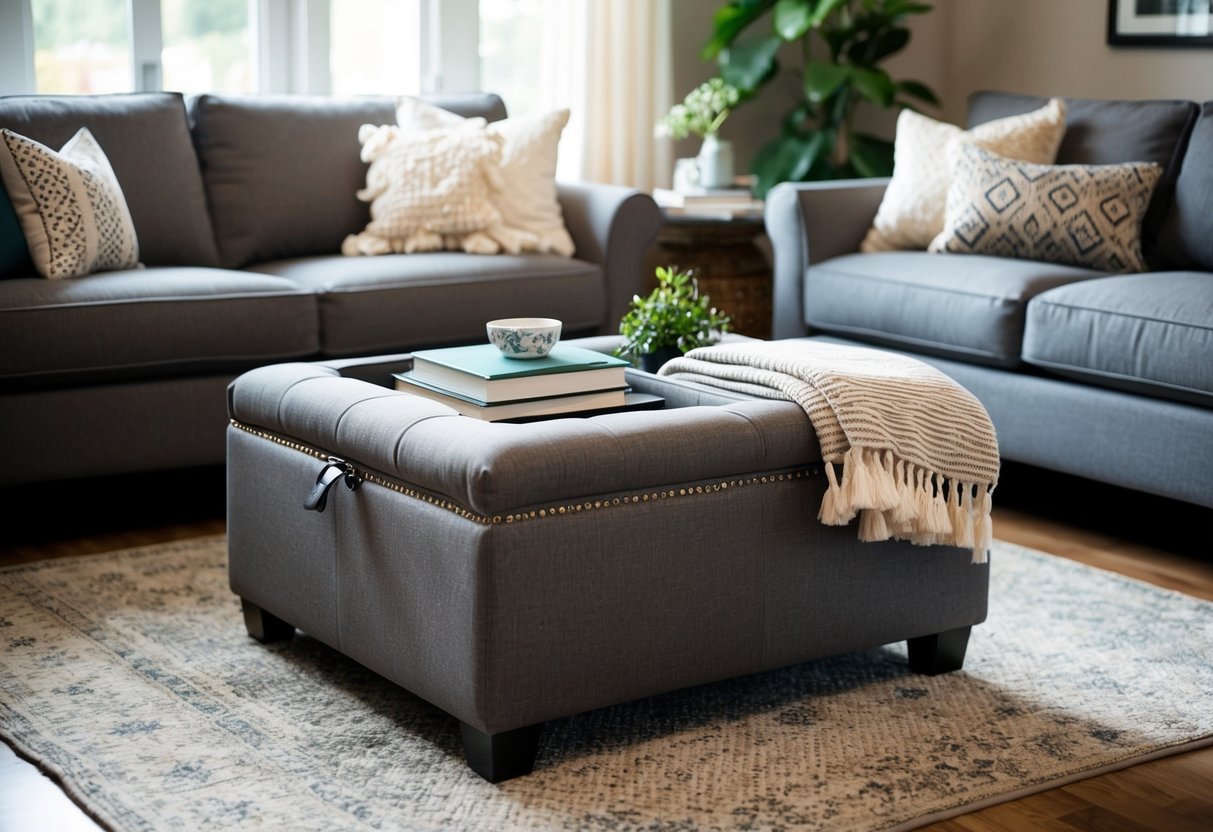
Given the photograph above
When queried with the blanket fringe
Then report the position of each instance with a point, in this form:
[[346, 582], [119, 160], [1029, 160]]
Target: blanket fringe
[[898, 499]]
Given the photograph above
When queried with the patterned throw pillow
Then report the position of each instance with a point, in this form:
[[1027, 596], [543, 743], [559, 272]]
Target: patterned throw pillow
[[430, 191], [1081, 215], [911, 212], [70, 205], [527, 197]]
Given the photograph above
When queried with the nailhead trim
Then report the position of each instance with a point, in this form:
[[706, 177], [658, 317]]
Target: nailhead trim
[[552, 511]]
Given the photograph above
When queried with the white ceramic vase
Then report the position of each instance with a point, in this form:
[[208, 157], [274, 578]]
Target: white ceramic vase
[[715, 162]]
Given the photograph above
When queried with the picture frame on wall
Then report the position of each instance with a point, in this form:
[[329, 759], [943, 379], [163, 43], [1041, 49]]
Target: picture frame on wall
[[1160, 22]]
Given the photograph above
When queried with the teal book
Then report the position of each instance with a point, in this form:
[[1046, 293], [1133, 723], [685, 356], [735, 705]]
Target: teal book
[[481, 372]]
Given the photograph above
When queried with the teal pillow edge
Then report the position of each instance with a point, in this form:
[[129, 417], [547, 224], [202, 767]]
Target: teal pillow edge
[[14, 253]]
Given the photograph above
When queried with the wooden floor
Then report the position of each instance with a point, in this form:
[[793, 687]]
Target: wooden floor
[[1159, 541]]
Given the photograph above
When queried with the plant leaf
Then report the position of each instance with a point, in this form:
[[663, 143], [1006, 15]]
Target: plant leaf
[[874, 85], [897, 8], [822, 79], [919, 90], [729, 21], [870, 51], [749, 66], [787, 159], [871, 155], [824, 8], [793, 18]]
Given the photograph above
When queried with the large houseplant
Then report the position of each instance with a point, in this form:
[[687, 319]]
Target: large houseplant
[[673, 319], [842, 44]]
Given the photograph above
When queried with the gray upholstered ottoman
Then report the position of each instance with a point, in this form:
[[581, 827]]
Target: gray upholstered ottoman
[[517, 573]]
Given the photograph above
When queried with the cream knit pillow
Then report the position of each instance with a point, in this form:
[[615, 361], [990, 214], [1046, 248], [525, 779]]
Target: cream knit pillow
[[911, 214], [430, 190], [70, 205], [527, 197]]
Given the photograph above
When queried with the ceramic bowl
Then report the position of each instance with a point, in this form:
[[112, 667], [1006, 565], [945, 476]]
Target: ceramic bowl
[[524, 337]]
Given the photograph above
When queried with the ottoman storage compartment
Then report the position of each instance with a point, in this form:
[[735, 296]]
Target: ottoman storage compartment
[[516, 573]]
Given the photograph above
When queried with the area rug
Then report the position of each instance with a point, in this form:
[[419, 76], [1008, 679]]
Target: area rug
[[130, 679]]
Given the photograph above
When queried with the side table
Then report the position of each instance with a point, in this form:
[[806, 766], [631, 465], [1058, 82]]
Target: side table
[[727, 261]]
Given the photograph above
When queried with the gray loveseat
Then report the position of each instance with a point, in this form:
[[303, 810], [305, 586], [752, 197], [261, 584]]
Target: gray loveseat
[[1106, 377], [240, 205]]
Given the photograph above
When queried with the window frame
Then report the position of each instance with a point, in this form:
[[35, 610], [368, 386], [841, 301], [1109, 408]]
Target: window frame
[[290, 41]]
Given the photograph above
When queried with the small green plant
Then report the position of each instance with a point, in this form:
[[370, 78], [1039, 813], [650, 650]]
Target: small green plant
[[673, 317], [702, 112]]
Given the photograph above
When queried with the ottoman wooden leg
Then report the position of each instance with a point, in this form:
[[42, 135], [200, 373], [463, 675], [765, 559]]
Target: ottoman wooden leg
[[938, 653], [264, 626], [497, 757]]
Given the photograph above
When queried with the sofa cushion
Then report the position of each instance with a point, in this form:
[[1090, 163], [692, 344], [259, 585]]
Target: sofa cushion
[[147, 141], [1187, 237], [401, 301], [1084, 215], [282, 171], [1147, 333], [70, 205], [970, 307], [150, 323], [1108, 132]]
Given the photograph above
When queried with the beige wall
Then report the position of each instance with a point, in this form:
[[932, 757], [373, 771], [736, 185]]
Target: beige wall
[[1058, 47], [1043, 47]]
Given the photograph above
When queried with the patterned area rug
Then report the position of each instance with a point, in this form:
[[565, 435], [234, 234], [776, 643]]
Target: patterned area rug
[[129, 677]]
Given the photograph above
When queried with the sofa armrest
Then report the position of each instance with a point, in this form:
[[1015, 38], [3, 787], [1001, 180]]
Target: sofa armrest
[[612, 226], [810, 222]]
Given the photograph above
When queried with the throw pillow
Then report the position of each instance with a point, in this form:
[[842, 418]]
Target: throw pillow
[[528, 167], [70, 205], [911, 213], [14, 253], [430, 191], [1081, 215]]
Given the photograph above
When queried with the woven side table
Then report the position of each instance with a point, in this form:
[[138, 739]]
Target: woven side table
[[728, 263]]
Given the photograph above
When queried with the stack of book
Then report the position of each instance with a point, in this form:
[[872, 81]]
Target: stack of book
[[479, 381], [711, 203]]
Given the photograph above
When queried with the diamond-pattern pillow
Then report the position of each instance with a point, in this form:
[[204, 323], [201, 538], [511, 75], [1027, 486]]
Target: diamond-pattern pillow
[[911, 213], [70, 205], [1081, 215]]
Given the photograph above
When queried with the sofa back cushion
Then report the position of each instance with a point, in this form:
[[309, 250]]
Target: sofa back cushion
[[282, 171], [1187, 236], [1109, 132], [145, 137]]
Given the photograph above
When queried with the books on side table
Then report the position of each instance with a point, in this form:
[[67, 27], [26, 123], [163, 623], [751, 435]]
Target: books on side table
[[479, 381], [714, 203]]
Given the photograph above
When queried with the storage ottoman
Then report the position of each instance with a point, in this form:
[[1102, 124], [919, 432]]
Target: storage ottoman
[[516, 573]]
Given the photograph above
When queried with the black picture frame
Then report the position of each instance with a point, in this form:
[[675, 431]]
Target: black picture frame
[[1166, 23]]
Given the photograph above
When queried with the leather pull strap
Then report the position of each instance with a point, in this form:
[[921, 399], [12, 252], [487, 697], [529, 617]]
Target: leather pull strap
[[336, 469]]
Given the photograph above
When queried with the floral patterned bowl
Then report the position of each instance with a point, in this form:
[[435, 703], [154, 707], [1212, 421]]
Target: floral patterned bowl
[[524, 337]]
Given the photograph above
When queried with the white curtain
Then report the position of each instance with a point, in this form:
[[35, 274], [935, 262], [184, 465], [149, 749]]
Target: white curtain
[[629, 86], [609, 62]]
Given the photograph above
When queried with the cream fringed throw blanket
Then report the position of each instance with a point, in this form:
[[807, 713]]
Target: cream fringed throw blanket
[[918, 452]]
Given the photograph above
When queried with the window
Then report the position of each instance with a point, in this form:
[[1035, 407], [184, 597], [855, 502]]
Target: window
[[81, 46], [206, 46], [375, 47]]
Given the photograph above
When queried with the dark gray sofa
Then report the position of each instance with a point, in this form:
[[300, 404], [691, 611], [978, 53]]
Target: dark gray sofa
[[240, 205], [1106, 377]]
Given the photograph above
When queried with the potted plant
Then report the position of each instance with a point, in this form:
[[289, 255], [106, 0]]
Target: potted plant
[[673, 320], [842, 44], [702, 113]]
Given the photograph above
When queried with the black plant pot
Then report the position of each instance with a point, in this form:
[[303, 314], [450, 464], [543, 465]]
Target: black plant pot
[[651, 362]]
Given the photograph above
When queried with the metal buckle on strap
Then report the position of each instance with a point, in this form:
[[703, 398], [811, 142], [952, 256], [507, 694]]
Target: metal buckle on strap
[[336, 469]]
